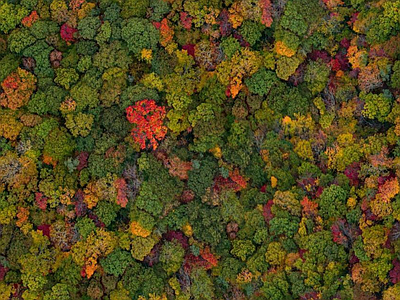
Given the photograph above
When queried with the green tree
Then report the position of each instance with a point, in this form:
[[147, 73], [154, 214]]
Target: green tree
[[66, 77], [316, 76], [19, 39], [106, 211], [59, 144], [377, 106], [10, 15], [395, 78], [202, 287], [139, 34], [286, 66], [275, 254], [134, 8], [88, 27], [47, 100], [142, 246], [79, 124], [261, 82], [117, 262], [171, 256], [242, 249], [201, 176], [230, 45], [332, 202], [85, 226], [251, 31], [9, 63], [59, 291]]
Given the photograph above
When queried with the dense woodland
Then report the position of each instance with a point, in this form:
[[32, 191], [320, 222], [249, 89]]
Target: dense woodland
[[199, 149]]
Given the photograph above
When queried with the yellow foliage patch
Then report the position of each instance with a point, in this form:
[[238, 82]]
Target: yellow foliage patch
[[284, 50], [138, 230], [146, 54], [274, 181]]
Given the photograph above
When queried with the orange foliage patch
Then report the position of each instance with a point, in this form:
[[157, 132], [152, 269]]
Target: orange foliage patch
[[29, 20], [90, 267], [209, 257], [138, 230], [389, 189], [167, 33], [49, 160], [22, 215], [178, 167], [284, 50], [310, 208], [238, 179], [18, 88]]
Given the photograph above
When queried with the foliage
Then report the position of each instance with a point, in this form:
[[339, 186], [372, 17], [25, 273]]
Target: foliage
[[10, 15], [171, 256], [139, 34], [377, 106], [148, 118], [17, 89], [199, 149]]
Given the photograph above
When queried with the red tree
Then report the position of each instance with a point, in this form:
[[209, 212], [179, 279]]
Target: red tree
[[41, 201], [148, 118], [266, 7], [394, 273], [121, 187], [67, 33], [310, 208], [186, 20]]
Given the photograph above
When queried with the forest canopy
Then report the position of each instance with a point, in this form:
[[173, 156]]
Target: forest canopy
[[200, 149]]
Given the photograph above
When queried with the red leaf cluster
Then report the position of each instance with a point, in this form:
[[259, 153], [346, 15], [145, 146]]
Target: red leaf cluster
[[241, 40], [205, 260], [166, 32], [80, 205], [310, 296], [320, 55], [225, 26], [235, 182], [148, 118], [17, 89], [266, 8], [186, 20], [153, 257], [76, 4], [309, 185], [41, 201], [340, 62], [178, 236], [238, 179], [394, 273], [351, 173], [267, 213], [221, 183], [3, 272], [67, 33], [83, 160], [45, 229], [338, 235], [209, 257], [190, 48], [121, 187]]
